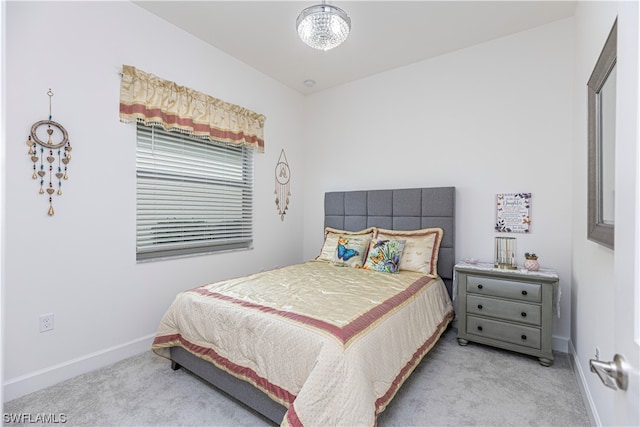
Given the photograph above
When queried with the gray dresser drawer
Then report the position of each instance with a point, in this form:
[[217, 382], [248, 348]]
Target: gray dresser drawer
[[507, 332], [509, 310], [504, 288]]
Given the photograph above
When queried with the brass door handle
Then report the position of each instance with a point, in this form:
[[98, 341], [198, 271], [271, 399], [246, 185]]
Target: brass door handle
[[612, 374]]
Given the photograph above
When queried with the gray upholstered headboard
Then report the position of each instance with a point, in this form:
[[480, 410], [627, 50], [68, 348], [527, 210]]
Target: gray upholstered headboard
[[403, 209]]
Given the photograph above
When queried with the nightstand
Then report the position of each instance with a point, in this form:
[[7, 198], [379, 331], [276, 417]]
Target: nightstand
[[509, 309]]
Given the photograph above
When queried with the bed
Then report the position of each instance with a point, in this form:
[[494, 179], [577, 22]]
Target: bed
[[301, 345]]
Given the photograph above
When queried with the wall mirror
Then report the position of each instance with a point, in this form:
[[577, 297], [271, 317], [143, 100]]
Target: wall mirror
[[601, 104]]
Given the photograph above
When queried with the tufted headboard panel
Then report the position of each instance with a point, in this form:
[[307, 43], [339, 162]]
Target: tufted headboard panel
[[402, 209]]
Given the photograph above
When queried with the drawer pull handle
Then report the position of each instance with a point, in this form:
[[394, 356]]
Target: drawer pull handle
[[480, 286], [480, 328], [523, 314], [524, 293], [524, 337], [479, 306]]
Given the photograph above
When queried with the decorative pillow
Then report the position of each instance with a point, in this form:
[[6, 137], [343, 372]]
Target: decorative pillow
[[350, 251], [420, 250], [331, 240], [385, 255]]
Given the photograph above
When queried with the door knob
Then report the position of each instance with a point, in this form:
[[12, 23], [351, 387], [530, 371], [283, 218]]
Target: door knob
[[612, 374]]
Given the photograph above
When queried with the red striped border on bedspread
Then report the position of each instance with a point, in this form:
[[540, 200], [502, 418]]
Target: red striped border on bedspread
[[344, 334], [281, 395], [385, 399]]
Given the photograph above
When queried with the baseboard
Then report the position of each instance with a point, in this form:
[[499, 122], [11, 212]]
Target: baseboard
[[560, 344], [584, 390], [25, 384]]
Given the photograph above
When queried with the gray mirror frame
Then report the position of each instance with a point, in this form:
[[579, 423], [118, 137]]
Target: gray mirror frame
[[597, 231]]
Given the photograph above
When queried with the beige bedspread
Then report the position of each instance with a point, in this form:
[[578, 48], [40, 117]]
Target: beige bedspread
[[332, 344]]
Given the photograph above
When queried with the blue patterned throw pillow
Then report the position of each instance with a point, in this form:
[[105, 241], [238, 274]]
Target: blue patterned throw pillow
[[384, 255], [350, 252]]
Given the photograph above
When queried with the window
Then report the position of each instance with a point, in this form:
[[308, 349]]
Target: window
[[193, 196]]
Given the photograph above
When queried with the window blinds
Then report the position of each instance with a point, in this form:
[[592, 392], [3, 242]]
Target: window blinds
[[193, 196]]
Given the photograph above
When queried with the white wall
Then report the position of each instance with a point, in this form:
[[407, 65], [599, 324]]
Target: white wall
[[593, 265], [80, 264], [492, 118]]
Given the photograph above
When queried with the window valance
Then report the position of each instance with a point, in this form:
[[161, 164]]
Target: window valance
[[151, 100]]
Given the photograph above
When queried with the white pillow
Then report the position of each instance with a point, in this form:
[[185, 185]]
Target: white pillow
[[331, 240], [421, 248]]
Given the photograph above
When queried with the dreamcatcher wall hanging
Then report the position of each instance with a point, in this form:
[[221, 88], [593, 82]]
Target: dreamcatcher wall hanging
[[283, 182], [50, 152]]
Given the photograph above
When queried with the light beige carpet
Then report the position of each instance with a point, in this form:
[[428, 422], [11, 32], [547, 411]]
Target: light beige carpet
[[453, 386]]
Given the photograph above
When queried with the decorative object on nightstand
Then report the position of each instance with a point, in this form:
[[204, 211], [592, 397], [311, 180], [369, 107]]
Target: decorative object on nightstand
[[506, 253], [508, 309], [531, 261]]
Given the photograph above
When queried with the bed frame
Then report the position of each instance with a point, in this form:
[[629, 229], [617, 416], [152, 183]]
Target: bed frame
[[403, 209]]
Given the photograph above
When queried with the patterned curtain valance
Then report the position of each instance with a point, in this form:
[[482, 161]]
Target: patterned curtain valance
[[153, 101]]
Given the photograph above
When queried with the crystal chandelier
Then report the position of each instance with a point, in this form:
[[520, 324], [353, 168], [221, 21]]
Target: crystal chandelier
[[323, 26]]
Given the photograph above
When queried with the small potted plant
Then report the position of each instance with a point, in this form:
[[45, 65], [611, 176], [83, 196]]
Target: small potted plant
[[531, 261]]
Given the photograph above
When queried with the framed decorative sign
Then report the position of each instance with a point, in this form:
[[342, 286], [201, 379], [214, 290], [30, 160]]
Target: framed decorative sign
[[513, 213]]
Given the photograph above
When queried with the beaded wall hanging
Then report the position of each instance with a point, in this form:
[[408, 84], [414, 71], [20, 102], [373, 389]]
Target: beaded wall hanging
[[49, 141], [283, 178]]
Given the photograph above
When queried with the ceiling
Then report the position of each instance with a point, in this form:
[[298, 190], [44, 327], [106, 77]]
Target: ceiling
[[384, 34]]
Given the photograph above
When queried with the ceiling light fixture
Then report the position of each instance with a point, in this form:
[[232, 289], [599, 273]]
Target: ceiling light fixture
[[323, 26]]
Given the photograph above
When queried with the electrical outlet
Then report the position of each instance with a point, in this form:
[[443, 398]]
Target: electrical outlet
[[46, 322], [597, 355]]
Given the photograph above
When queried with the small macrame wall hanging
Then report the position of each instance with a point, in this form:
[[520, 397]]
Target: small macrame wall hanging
[[50, 152], [283, 182]]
